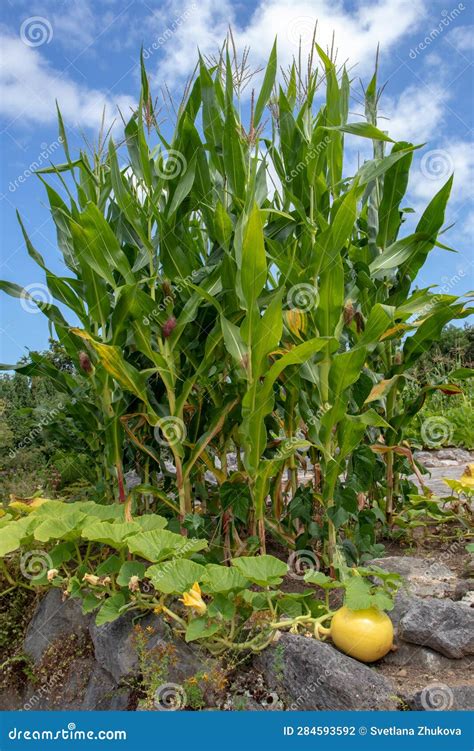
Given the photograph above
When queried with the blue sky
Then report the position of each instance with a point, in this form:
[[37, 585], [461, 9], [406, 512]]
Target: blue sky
[[85, 54]]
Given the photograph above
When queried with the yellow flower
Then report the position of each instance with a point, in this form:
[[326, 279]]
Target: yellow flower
[[193, 599]]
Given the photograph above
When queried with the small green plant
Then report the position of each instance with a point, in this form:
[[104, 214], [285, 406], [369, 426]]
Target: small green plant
[[154, 664]]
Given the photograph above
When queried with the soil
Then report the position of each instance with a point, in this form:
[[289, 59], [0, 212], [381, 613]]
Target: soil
[[410, 679]]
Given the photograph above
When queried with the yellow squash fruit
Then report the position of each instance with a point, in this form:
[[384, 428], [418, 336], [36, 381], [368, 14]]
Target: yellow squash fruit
[[366, 635]]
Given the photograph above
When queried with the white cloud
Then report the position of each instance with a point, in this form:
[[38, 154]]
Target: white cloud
[[433, 166], [75, 25], [29, 86], [462, 38], [416, 114], [356, 32]]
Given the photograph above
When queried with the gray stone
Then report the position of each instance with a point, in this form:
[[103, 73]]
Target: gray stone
[[10, 700], [116, 652], [468, 569], [463, 588], [457, 455], [53, 618], [103, 693], [447, 627], [132, 479], [443, 457], [63, 689], [439, 697], [425, 577], [83, 686], [210, 478], [309, 674], [423, 658], [403, 603]]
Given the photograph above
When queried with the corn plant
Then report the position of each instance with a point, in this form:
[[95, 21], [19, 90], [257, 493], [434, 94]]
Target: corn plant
[[233, 290]]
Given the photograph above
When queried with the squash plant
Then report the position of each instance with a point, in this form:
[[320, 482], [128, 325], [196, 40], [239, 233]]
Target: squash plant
[[232, 290], [114, 566]]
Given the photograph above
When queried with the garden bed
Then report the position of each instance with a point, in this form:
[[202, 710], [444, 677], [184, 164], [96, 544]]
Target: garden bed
[[232, 407]]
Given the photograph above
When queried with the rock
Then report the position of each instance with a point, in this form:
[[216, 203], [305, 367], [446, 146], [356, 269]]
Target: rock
[[423, 658], [309, 674], [457, 455], [425, 458], [468, 568], [443, 457], [10, 700], [116, 650], [403, 603], [468, 600], [132, 479], [210, 478], [169, 466], [114, 646], [103, 693], [425, 577], [463, 588], [439, 696], [232, 465], [81, 685], [62, 687], [447, 627], [52, 618]]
